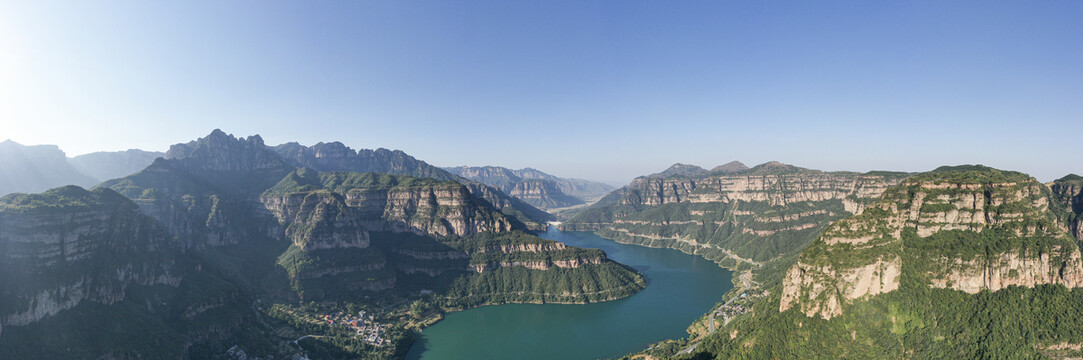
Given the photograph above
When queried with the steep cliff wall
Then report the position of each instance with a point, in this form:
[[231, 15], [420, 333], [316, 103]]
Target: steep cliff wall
[[1068, 192], [383, 202], [964, 228], [335, 156], [759, 214], [206, 192], [536, 188], [67, 246]]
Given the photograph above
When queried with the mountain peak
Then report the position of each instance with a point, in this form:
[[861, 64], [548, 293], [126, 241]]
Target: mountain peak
[[680, 169], [774, 167], [1070, 178], [730, 167], [223, 152]]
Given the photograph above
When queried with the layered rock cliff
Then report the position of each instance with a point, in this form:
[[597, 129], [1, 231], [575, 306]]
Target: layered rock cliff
[[386, 203], [336, 156], [967, 228], [68, 246], [207, 191], [752, 215], [535, 187], [1068, 193]]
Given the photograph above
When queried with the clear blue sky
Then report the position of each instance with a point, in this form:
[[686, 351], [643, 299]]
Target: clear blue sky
[[600, 90]]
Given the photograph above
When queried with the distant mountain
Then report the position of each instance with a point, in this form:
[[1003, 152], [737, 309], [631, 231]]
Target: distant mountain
[[335, 156], [223, 245], [679, 169], [962, 262], [37, 168], [535, 187], [729, 168], [732, 216], [106, 165]]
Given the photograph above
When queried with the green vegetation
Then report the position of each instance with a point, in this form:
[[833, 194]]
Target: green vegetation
[[914, 322], [516, 284], [917, 320], [971, 174]]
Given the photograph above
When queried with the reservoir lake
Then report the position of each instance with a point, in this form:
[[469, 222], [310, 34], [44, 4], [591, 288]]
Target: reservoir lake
[[680, 289]]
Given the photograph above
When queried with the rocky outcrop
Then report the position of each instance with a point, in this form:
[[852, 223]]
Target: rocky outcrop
[[967, 228], [221, 152], [335, 156], [381, 203], [206, 191], [543, 194], [538, 265], [68, 246], [440, 210], [319, 220], [1032, 268], [536, 188], [1068, 193], [803, 280], [762, 213]]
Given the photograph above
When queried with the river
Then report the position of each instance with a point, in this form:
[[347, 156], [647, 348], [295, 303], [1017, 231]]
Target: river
[[680, 288]]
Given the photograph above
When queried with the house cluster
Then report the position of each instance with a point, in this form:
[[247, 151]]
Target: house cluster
[[363, 324], [729, 311]]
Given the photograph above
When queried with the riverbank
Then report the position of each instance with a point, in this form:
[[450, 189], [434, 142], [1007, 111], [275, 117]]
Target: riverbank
[[682, 287]]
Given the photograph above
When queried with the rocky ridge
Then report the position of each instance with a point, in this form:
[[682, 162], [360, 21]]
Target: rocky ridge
[[1068, 193], [105, 165], [37, 168], [967, 228], [537, 188], [68, 246], [335, 156], [762, 213]]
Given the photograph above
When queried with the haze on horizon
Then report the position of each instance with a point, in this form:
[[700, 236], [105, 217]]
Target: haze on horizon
[[596, 90]]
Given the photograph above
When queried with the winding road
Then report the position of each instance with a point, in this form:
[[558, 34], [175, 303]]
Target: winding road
[[746, 284]]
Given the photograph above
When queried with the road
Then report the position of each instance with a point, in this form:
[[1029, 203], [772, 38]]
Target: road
[[692, 242], [746, 284]]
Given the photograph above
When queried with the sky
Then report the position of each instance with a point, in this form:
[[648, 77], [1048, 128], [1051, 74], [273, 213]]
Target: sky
[[602, 90]]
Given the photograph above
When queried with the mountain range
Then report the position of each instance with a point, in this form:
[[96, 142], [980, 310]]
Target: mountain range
[[959, 262], [225, 244], [536, 188], [38, 168]]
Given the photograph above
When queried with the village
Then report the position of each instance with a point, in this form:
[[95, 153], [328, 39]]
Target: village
[[364, 326]]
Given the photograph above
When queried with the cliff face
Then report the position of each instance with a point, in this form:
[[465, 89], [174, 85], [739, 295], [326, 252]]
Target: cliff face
[[759, 214], [68, 246], [221, 152], [206, 191], [386, 203], [336, 156], [1068, 193], [319, 220], [36, 168], [535, 187], [963, 228], [544, 194]]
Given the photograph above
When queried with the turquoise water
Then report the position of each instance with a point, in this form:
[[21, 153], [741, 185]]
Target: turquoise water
[[680, 289]]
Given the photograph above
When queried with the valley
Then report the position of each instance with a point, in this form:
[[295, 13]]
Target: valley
[[226, 247]]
